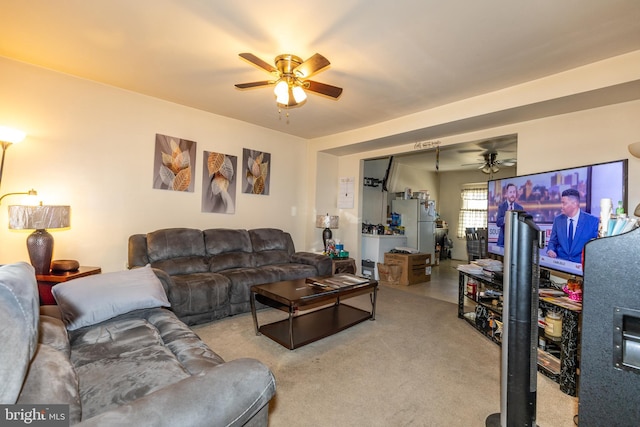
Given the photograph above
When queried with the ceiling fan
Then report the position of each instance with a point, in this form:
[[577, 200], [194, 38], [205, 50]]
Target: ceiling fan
[[290, 78], [491, 163]]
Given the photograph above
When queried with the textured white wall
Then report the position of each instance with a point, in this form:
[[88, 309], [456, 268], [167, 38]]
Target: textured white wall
[[91, 146]]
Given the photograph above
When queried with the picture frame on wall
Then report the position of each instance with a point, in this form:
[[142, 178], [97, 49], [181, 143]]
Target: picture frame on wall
[[174, 164], [219, 182], [256, 174]]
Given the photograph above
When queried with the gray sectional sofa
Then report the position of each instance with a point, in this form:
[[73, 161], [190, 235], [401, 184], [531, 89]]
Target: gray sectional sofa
[[208, 273], [113, 366]]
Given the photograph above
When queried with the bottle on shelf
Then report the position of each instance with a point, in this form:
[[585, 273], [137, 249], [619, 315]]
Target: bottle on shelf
[[553, 328], [472, 288]]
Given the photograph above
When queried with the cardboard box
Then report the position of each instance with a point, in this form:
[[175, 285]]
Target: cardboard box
[[390, 273], [416, 268]]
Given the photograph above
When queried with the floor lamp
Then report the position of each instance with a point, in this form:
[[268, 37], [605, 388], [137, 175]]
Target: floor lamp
[[10, 136]]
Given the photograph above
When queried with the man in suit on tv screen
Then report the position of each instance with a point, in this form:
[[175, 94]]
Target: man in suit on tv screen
[[572, 229], [509, 204]]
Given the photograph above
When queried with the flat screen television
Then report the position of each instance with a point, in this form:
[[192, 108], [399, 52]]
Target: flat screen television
[[540, 194]]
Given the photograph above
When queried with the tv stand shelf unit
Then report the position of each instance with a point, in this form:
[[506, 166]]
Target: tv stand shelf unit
[[562, 369]]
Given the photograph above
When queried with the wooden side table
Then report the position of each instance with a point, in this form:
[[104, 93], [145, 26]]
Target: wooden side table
[[344, 266], [47, 281]]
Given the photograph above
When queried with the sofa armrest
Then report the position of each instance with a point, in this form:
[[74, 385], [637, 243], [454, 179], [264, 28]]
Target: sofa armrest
[[137, 256], [322, 263], [165, 279], [226, 395]]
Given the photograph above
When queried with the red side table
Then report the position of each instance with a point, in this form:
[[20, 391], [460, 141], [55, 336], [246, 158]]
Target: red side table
[[48, 281]]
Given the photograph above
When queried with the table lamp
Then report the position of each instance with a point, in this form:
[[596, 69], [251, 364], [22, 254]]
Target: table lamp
[[327, 222], [40, 242]]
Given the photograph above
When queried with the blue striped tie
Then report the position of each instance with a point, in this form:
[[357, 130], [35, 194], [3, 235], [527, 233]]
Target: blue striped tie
[[570, 236]]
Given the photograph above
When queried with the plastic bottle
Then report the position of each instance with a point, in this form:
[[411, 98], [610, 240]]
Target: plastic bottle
[[605, 216], [620, 209]]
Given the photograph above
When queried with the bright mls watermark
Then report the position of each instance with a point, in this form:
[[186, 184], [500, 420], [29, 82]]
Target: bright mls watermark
[[34, 415]]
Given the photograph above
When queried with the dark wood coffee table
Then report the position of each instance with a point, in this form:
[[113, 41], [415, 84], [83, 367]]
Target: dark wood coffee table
[[294, 296]]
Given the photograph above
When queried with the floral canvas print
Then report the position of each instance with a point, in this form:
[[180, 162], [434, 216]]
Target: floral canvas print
[[219, 183], [173, 167], [255, 177]]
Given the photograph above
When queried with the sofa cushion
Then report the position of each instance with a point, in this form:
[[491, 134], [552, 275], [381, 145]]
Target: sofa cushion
[[228, 249], [133, 355], [183, 265], [93, 299], [200, 293], [175, 243], [53, 333], [222, 240], [194, 355], [271, 246], [19, 327], [291, 271], [52, 380], [243, 278]]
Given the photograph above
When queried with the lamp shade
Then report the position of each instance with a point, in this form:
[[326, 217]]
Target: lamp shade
[[40, 242], [22, 217], [634, 149], [327, 221], [12, 136]]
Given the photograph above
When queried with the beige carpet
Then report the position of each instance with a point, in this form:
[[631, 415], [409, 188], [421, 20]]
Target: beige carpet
[[417, 364]]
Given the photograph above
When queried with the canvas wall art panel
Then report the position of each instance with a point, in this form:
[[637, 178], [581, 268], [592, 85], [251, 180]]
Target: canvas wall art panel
[[256, 173], [219, 182], [174, 164]]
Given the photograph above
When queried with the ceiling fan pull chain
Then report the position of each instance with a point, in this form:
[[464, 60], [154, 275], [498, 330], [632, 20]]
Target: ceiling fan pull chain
[[280, 115]]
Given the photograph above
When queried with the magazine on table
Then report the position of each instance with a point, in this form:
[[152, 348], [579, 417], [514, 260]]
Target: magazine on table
[[339, 281]]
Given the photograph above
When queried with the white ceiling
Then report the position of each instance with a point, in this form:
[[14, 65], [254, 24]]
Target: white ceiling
[[392, 58]]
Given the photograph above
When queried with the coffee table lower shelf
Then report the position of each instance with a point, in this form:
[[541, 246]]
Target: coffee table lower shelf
[[315, 325]]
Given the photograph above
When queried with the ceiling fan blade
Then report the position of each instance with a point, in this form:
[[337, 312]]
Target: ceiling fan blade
[[311, 66], [254, 84], [323, 89], [259, 62]]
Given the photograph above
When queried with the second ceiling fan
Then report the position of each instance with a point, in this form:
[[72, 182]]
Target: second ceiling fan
[[491, 163], [291, 78]]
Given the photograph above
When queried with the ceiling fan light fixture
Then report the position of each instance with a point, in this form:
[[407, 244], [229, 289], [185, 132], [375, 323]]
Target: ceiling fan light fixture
[[282, 101], [495, 168], [293, 78], [281, 91], [299, 94], [486, 169], [289, 94]]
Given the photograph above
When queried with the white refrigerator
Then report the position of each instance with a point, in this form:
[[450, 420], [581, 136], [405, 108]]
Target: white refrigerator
[[418, 217]]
